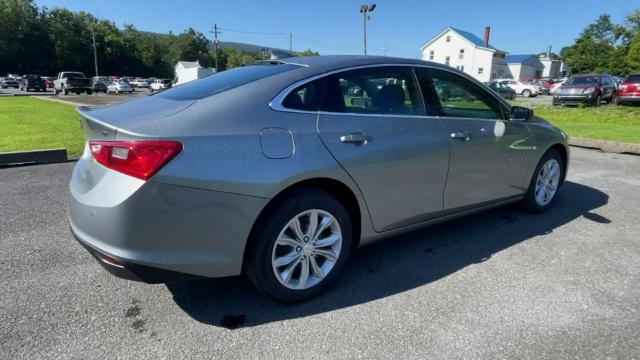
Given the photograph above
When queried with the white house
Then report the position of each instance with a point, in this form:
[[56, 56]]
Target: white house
[[552, 67], [526, 66], [466, 52], [186, 71]]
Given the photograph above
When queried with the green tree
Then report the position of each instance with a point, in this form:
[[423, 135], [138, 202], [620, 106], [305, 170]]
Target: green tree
[[308, 52]]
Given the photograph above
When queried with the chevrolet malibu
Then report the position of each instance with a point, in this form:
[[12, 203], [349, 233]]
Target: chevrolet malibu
[[280, 169]]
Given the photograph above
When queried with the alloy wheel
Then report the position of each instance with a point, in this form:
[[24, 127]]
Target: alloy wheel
[[307, 249], [547, 182]]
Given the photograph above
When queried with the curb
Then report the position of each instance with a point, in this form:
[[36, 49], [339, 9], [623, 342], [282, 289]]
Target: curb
[[606, 146], [49, 156], [44, 94], [72, 103]]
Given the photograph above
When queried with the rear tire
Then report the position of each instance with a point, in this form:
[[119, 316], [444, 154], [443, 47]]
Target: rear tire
[[545, 183], [615, 100], [526, 93], [302, 255]]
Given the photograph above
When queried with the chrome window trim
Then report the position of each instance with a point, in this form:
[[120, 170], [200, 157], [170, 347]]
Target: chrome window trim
[[276, 102]]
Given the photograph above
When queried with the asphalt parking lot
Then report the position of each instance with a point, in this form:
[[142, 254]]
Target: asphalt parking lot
[[500, 284]]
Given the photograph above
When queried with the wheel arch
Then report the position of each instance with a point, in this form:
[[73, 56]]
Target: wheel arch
[[564, 155], [340, 190]]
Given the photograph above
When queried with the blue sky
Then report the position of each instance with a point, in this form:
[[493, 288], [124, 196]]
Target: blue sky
[[335, 26]]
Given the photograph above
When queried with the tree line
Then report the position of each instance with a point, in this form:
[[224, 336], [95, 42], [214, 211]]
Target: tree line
[[45, 41], [36, 40], [606, 47]]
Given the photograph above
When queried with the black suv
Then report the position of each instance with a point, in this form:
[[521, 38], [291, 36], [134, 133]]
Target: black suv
[[32, 82]]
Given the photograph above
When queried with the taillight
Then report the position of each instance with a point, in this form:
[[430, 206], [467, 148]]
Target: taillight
[[140, 159]]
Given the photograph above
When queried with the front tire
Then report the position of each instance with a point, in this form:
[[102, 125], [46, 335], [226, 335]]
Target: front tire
[[301, 247], [545, 183], [526, 93]]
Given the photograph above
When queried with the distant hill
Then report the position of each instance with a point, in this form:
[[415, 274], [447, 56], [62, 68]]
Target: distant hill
[[230, 44], [244, 47]]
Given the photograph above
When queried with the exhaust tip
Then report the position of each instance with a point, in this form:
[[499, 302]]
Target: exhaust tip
[[109, 260]]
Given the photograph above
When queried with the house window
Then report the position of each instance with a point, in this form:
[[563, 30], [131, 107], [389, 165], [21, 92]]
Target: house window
[[431, 54], [480, 71], [448, 38], [447, 60], [461, 55], [460, 67]]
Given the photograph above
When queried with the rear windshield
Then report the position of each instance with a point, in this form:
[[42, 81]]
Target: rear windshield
[[73, 75], [633, 79], [225, 80], [583, 80]]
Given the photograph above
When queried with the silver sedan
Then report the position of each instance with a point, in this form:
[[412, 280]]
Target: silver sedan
[[279, 169]]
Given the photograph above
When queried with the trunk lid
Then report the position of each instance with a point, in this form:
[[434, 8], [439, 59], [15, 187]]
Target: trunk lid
[[104, 122]]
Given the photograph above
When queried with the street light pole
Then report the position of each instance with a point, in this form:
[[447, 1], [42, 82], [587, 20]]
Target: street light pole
[[95, 49], [365, 10]]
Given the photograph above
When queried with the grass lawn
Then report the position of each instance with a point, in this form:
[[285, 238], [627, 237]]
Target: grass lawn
[[605, 122], [28, 123]]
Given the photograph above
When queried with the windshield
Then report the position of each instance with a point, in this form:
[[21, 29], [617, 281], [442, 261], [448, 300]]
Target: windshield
[[583, 80], [224, 80], [633, 79]]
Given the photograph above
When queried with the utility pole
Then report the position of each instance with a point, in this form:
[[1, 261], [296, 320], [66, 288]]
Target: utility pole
[[365, 10], [215, 33], [95, 50], [291, 43], [385, 51]]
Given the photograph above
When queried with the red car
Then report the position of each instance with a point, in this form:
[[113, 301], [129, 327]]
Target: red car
[[48, 81], [540, 82], [629, 91]]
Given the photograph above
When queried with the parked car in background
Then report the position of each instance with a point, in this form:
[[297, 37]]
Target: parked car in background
[[162, 190], [557, 83], [586, 89], [99, 83], [8, 82], [139, 83], [31, 82], [619, 80], [15, 77], [119, 87], [520, 88], [501, 89], [48, 81], [540, 88], [160, 84], [629, 91], [72, 81]]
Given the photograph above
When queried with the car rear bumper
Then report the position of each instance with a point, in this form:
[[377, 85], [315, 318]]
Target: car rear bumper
[[629, 98], [148, 226]]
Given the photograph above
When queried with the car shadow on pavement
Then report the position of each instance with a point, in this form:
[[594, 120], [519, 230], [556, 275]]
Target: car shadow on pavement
[[393, 265]]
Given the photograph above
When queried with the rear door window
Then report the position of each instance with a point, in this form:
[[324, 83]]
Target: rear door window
[[387, 90]]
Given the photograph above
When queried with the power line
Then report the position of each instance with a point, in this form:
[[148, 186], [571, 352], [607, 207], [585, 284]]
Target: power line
[[254, 32], [291, 36]]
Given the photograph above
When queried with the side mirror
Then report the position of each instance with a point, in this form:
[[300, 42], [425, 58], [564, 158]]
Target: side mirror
[[519, 113]]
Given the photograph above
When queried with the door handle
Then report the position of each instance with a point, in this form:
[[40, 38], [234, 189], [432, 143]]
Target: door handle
[[461, 135], [357, 138]]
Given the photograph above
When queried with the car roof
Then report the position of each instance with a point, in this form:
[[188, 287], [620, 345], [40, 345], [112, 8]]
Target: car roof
[[331, 62]]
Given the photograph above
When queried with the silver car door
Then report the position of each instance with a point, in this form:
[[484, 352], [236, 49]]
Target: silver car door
[[373, 122], [489, 157]]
